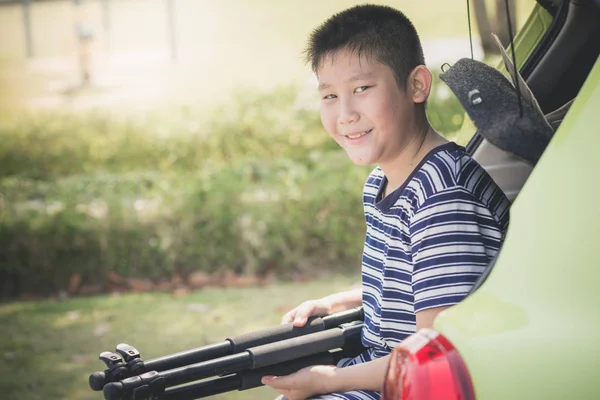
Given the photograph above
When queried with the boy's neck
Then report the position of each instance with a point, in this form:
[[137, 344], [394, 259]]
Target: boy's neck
[[399, 169]]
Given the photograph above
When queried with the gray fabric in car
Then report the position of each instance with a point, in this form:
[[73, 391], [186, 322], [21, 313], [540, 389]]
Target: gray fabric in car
[[496, 115]]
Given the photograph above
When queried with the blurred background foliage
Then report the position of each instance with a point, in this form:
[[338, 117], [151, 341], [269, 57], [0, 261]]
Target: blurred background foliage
[[258, 188], [184, 142]]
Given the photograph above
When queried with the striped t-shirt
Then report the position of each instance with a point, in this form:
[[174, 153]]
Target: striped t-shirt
[[426, 244]]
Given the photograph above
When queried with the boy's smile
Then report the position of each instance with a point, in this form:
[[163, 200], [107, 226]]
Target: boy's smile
[[358, 135], [363, 108]]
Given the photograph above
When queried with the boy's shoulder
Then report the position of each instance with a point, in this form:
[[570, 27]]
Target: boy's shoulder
[[446, 171], [450, 169]]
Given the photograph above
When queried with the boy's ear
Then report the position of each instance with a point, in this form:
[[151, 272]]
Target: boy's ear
[[419, 83]]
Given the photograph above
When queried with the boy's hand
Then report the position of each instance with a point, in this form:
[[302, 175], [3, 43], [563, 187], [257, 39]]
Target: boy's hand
[[325, 379], [300, 314], [303, 384]]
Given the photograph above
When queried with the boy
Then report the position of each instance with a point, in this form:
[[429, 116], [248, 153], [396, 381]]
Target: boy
[[434, 217]]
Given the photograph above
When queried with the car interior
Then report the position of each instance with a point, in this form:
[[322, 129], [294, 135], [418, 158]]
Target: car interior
[[555, 72]]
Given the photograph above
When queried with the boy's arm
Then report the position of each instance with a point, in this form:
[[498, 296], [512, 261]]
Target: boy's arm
[[322, 379], [327, 305], [371, 375], [425, 318], [344, 300]]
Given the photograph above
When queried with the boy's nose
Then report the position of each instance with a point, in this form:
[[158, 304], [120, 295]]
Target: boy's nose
[[347, 115]]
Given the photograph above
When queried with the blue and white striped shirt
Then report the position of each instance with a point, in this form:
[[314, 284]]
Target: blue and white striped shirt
[[426, 244]]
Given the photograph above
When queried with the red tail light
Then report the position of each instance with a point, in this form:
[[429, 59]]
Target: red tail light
[[427, 367]]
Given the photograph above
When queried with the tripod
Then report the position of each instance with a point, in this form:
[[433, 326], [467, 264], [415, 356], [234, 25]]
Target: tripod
[[237, 363]]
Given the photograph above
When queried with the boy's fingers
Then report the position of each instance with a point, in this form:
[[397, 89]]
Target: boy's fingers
[[298, 322], [289, 317], [267, 378], [302, 315], [277, 382]]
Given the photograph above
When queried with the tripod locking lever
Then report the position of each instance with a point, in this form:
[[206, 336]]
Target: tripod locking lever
[[116, 371], [131, 355]]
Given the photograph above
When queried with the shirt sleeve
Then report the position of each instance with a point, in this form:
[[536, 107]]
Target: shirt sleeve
[[453, 238]]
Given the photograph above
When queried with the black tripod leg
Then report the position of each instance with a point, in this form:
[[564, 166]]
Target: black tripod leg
[[253, 358], [203, 389], [230, 346], [251, 379]]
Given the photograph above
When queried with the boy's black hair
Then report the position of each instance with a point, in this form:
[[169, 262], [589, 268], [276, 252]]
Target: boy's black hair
[[378, 32]]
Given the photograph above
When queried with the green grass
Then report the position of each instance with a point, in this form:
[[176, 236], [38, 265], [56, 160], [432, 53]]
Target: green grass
[[49, 348]]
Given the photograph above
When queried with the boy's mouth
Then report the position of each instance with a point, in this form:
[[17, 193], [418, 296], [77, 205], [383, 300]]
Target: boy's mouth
[[358, 135]]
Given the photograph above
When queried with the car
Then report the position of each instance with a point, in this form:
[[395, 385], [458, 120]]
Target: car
[[529, 328]]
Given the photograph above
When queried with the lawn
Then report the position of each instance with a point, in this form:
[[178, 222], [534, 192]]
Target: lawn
[[49, 348]]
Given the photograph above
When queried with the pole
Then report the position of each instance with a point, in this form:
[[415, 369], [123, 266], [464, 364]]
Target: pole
[[171, 31], [106, 23], [27, 22]]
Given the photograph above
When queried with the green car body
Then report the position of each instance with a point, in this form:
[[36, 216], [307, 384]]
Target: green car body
[[531, 330]]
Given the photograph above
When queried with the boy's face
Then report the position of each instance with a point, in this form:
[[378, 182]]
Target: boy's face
[[363, 109]]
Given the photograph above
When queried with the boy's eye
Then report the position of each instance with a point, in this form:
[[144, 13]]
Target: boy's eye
[[361, 89], [329, 96]]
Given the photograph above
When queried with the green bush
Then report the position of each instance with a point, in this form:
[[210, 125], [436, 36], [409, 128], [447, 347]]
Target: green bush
[[44, 146], [256, 186], [152, 225]]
